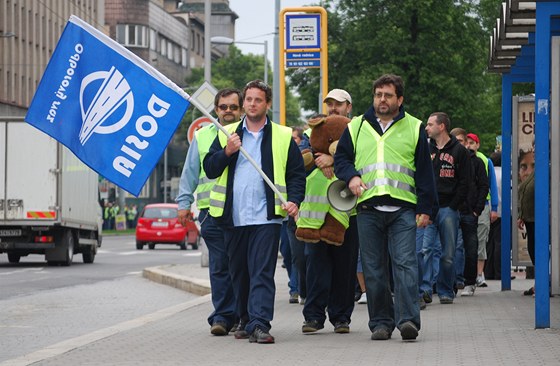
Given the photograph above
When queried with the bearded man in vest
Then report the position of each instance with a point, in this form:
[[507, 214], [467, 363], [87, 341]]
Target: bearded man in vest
[[248, 209], [227, 105], [384, 158]]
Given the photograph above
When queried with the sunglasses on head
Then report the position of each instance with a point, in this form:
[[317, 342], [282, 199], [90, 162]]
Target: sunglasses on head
[[232, 107]]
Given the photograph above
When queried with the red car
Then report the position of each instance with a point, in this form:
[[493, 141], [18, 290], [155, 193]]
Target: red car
[[158, 224]]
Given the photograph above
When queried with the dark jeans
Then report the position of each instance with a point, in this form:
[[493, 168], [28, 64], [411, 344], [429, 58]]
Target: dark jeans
[[493, 267], [331, 275], [469, 227], [298, 257], [286, 251], [221, 286], [253, 253]]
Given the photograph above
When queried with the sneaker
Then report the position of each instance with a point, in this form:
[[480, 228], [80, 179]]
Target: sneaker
[[341, 327], [260, 336], [468, 291], [409, 331], [481, 282], [219, 328], [422, 303], [427, 297], [363, 299], [460, 285], [381, 333], [311, 326], [445, 300], [302, 300], [241, 332], [294, 298]]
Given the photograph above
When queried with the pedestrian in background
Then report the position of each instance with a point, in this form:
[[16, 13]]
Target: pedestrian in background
[[227, 106]]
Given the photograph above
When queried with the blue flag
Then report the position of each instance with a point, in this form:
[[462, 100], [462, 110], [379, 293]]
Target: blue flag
[[108, 106]]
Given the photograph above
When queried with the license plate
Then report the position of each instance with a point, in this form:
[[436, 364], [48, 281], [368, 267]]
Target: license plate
[[10, 232], [160, 224]]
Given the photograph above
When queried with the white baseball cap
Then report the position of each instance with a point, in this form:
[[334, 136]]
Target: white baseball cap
[[338, 95]]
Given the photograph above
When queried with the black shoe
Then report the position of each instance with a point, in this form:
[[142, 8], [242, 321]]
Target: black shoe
[[261, 336], [311, 326], [234, 328], [427, 297], [341, 327], [381, 334], [241, 333], [357, 296], [294, 298], [409, 332], [219, 328]]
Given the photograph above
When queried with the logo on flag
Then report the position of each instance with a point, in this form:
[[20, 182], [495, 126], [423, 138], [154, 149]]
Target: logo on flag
[[109, 107]]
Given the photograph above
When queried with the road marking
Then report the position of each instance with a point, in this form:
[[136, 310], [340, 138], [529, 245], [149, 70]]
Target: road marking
[[80, 341], [39, 269], [135, 273], [192, 254]]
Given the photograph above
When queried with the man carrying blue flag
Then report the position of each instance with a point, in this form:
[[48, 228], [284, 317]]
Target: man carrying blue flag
[[250, 211]]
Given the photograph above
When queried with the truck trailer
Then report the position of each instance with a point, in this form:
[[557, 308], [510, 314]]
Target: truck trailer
[[49, 199]]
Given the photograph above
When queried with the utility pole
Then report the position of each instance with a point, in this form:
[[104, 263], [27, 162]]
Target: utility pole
[[276, 58]]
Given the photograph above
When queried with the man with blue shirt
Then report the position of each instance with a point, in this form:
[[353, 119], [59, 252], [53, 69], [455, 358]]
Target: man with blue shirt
[[227, 105], [248, 209]]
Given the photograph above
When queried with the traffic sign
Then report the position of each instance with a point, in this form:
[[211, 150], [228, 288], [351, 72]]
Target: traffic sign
[[303, 31], [196, 125]]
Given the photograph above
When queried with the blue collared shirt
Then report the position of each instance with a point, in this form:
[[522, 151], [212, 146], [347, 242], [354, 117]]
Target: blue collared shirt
[[249, 195], [189, 177]]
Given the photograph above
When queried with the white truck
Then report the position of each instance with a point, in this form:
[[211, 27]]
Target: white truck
[[49, 199]]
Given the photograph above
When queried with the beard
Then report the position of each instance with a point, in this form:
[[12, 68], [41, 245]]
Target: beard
[[385, 110]]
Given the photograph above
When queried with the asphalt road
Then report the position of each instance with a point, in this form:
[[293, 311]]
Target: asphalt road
[[116, 258], [42, 305]]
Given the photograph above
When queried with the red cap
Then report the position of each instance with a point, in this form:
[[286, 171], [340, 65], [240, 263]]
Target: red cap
[[473, 137]]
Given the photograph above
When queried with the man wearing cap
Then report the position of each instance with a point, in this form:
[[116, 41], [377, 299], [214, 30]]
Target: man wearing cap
[[490, 212], [339, 102]]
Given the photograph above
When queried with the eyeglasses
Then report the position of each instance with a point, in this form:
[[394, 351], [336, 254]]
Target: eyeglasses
[[380, 95], [232, 107]]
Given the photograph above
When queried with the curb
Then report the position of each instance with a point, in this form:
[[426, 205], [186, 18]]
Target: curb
[[190, 284]]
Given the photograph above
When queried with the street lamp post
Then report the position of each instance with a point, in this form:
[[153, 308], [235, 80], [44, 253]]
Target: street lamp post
[[228, 41]]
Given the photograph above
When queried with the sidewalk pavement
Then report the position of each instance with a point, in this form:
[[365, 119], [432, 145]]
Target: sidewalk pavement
[[491, 328]]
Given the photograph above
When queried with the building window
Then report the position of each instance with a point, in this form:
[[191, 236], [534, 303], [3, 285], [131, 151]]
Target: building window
[[153, 40], [184, 57], [132, 35], [192, 40]]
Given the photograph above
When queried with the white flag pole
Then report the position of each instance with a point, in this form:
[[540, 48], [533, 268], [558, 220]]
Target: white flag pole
[[241, 149]]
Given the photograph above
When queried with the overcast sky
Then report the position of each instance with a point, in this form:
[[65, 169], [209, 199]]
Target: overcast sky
[[256, 22]]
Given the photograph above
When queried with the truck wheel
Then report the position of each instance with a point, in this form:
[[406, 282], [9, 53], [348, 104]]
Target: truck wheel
[[139, 245], [13, 257], [183, 246], [68, 243], [88, 255], [151, 246]]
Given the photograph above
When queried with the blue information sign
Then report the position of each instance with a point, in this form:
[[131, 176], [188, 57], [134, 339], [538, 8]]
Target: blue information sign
[[303, 55], [303, 63]]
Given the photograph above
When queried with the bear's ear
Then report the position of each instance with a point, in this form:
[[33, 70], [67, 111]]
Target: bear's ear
[[314, 122]]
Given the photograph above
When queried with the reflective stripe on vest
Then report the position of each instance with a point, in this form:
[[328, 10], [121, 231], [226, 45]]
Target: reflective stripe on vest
[[386, 163], [281, 139], [204, 138], [485, 161], [315, 206]]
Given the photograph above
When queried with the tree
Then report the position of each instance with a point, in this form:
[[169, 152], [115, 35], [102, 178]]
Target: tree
[[235, 70], [439, 47]]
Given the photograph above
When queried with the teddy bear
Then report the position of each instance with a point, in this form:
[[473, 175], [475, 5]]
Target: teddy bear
[[325, 133]]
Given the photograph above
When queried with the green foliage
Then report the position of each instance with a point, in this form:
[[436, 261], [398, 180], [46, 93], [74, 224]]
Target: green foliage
[[439, 47], [234, 71]]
